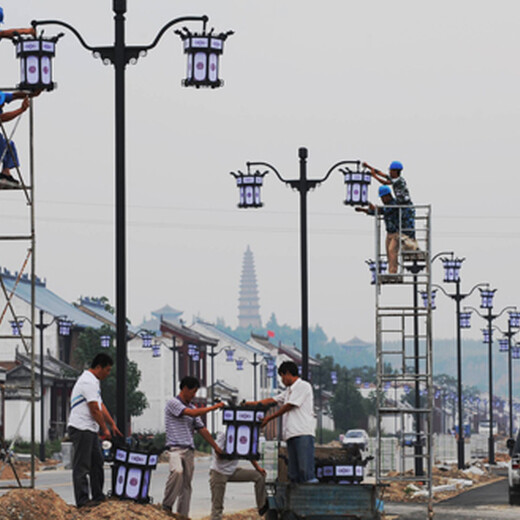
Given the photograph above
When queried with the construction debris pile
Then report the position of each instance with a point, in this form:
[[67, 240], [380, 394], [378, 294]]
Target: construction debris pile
[[448, 481]]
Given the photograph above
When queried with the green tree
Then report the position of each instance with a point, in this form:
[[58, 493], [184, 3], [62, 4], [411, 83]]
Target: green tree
[[89, 342]]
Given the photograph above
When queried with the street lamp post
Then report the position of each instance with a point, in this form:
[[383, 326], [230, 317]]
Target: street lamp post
[[64, 327], [452, 268], [249, 185], [205, 62], [487, 303]]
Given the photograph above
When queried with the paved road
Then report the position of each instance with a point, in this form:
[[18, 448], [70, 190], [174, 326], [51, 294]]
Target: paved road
[[239, 496], [489, 502]]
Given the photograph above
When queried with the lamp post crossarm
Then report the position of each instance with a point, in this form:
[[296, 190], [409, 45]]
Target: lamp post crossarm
[[508, 308], [478, 313], [337, 165], [171, 23], [73, 30], [270, 167], [434, 257], [439, 287]]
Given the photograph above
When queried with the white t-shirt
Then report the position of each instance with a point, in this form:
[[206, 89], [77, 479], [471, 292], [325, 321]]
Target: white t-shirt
[[224, 466], [86, 390], [299, 420]]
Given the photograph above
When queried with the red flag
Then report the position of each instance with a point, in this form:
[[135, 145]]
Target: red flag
[[270, 334]]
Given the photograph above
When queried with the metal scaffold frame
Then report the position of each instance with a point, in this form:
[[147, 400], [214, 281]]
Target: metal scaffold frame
[[7, 310], [404, 354]]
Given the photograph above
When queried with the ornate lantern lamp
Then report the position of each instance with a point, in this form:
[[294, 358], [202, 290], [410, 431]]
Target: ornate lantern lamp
[[514, 319], [515, 352], [383, 266], [334, 377], [452, 269], [203, 52], [425, 299], [64, 327], [193, 352], [503, 344], [239, 364], [358, 381], [357, 183], [485, 334], [35, 55], [147, 339], [16, 327], [156, 349], [465, 320], [270, 367], [229, 354], [486, 296], [249, 188], [105, 341]]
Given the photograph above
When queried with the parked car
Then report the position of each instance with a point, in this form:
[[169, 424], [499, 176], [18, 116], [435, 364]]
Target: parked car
[[513, 472], [359, 437]]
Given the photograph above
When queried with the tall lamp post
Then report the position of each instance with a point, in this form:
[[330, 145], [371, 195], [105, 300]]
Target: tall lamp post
[[203, 51], [249, 185], [487, 296], [452, 268], [64, 327]]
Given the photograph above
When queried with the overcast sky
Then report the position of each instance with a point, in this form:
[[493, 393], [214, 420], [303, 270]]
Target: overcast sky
[[435, 85]]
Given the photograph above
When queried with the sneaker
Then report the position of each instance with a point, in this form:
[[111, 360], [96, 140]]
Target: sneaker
[[8, 178]]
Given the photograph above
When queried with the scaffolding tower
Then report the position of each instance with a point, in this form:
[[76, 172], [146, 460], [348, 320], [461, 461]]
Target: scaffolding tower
[[21, 240], [404, 353]]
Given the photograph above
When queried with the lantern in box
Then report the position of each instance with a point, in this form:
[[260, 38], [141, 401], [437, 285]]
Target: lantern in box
[[36, 56], [452, 269], [131, 474], [242, 432], [203, 52], [357, 183], [249, 186], [465, 320]]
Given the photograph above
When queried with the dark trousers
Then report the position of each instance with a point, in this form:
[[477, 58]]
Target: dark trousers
[[301, 458], [87, 463]]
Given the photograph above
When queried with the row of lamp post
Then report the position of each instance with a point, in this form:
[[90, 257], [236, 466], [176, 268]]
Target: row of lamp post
[[452, 267]]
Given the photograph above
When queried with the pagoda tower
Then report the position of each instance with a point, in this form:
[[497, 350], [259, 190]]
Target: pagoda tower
[[248, 300]]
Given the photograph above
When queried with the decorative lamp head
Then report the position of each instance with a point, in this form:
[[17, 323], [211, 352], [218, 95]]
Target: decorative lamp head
[[64, 327], [156, 349], [249, 188], [383, 266], [147, 339], [106, 341], [452, 269], [503, 344], [239, 364], [35, 55], [357, 183], [16, 327], [203, 52], [465, 320], [229, 354], [427, 301], [334, 377], [514, 319], [487, 337], [486, 296]]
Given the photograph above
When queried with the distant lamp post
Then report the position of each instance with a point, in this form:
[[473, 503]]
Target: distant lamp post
[[270, 372], [486, 296], [230, 353], [249, 186], [334, 377], [36, 55], [452, 266], [106, 341], [16, 327], [487, 335]]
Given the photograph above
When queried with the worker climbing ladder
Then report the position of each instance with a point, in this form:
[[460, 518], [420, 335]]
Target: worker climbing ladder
[[18, 241], [404, 354]]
